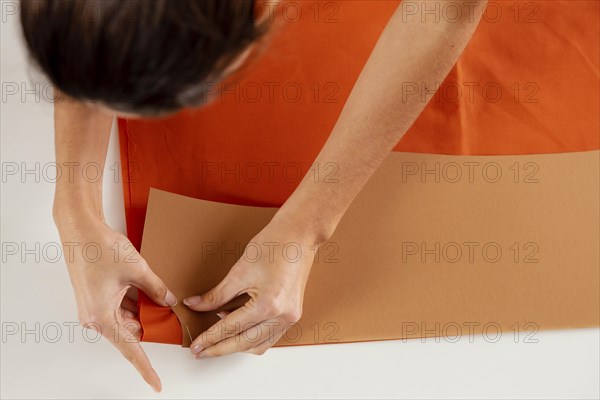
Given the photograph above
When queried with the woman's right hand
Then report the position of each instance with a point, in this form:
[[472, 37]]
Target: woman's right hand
[[103, 265]]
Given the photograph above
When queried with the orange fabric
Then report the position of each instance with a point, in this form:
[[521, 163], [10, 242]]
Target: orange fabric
[[159, 324], [527, 83]]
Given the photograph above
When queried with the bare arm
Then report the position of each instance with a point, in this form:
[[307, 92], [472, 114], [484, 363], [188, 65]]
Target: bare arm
[[100, 278], [376, 115], [81, 137]]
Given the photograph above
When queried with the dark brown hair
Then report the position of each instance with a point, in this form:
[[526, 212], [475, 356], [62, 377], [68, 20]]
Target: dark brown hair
[[140, 56]]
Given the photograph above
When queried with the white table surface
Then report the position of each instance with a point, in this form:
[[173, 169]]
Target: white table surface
[[37, 299]]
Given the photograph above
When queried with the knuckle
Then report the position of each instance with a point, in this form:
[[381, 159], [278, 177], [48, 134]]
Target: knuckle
[[212, 335], [293, 315], [158, 291], [142, 268], [87, 318], [91, 320], [280, 307], [273, 307], [211, 297]]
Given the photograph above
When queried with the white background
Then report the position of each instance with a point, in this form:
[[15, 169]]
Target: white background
[[562, 364]]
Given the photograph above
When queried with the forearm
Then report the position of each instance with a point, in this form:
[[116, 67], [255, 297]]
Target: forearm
[[81, 141], [376, 114]]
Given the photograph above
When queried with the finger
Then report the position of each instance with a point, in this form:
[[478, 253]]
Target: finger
[[152, 285], [223, 293], [125, 313], [223, 314], [267, 344], [235, 322], [129, 304], [131, 349], [245, 340], [131, 323]]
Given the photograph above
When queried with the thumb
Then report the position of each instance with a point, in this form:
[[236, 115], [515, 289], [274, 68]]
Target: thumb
[[154, 287], [218, 296]]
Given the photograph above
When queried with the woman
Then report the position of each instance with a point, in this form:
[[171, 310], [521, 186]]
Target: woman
[[148, 58]]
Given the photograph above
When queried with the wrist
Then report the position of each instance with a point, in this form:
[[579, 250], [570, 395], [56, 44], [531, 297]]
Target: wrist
[[74, 213], [311, 230]]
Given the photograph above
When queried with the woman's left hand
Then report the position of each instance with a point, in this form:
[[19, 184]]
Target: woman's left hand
[[273, 271]]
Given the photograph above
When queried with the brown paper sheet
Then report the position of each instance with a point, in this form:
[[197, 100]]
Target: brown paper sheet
[[434, 245]]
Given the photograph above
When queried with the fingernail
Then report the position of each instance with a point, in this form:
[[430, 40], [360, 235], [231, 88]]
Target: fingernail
[[197, 356], [220, 315], [196, 349], [191, 301], [170, 298]]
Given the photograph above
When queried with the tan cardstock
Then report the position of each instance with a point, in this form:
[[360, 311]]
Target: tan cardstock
[[434, 245]]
